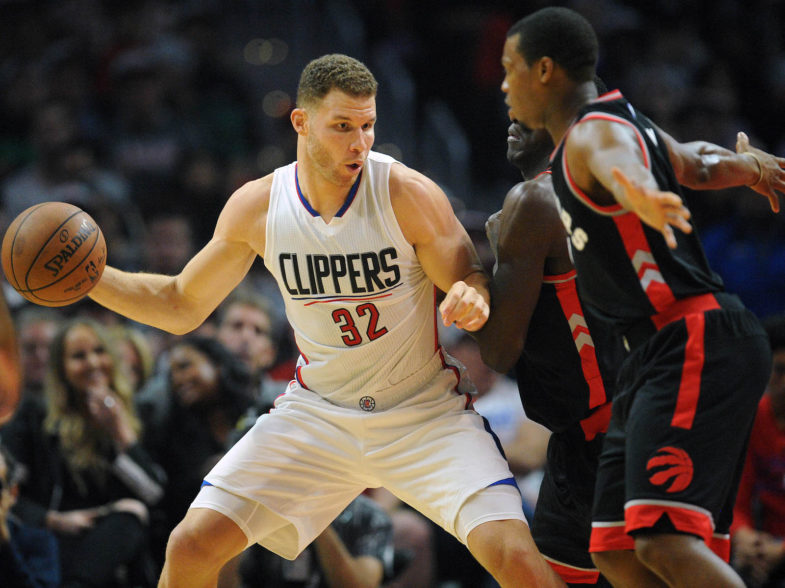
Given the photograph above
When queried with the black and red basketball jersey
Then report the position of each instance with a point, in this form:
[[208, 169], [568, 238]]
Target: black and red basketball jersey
[[563, 377], [625, 268]]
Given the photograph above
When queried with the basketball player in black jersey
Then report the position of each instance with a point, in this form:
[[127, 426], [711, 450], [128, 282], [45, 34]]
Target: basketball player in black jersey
[[539, 327], [687, 393]]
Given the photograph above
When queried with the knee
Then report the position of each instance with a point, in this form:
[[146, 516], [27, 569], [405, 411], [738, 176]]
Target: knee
[[652, 551], [187, 543]]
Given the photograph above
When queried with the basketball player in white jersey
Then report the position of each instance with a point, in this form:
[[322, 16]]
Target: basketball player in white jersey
[[359, 245]]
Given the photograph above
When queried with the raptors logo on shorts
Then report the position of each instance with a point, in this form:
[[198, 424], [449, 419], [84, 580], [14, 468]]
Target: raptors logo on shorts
[[367, 403], [671, 465]]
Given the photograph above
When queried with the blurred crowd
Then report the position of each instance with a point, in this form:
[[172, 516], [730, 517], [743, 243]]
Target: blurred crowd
[[148, 114]]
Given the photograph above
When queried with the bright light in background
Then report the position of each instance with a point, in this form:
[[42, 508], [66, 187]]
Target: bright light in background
[[266, 51], [276, 103]]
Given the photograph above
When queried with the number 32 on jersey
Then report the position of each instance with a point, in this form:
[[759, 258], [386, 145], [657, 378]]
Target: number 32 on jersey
[[367, 315]]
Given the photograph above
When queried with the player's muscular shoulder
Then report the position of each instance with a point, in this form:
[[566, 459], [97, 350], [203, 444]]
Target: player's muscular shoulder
[[244, 216], [420, 206]]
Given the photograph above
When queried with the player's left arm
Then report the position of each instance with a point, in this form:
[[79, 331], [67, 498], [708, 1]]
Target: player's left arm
[[606, 161], [705, 166], [445, 250]]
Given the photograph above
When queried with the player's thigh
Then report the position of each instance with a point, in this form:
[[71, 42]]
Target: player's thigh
[[437, 465]]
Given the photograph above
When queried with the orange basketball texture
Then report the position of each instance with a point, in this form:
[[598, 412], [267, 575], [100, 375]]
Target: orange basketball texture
[[53, 253]]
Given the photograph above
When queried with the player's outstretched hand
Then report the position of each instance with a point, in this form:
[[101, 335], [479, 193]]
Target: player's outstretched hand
[[772, 171], [659, 210], [464, 306]]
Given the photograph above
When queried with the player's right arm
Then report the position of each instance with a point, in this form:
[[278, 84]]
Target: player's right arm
[[178, 304], [530, 232]]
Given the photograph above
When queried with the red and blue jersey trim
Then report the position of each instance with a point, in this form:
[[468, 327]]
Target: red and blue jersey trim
[[346, 204]]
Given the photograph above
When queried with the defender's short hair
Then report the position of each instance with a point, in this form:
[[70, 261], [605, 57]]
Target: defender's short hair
[[334, 71], [561, 34]]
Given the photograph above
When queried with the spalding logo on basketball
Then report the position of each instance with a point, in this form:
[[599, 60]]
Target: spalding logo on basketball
[[671, 464], [53, 253]]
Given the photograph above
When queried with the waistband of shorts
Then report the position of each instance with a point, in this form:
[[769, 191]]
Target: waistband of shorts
[[640, 332]]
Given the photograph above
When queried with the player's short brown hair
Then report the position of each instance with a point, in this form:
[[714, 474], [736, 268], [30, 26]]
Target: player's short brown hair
[[334, 71]]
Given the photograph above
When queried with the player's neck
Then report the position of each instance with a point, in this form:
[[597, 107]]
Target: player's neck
[[566, 109], [325, 196]]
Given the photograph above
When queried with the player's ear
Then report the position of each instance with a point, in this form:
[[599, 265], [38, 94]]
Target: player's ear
[[299, 118], [544, 68]]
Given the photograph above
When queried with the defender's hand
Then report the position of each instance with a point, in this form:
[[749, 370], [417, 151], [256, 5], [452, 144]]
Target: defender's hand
[[771, 168], [660, 210]]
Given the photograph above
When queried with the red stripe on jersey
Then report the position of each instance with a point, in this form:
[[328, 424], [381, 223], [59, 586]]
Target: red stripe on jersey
[[596, 422], [299, 377], [631, 232], [618, 119], [689, 387], [610, 537], [297, 374], [645, 516], [346, 299], [573, 575], [608, 96], [435, 325], [571, 307], [581, 195]]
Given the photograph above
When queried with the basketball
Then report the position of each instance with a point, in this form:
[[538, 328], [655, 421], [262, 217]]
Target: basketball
[[53, 253]]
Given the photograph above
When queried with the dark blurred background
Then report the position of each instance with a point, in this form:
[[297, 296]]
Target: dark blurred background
[[150, 113]]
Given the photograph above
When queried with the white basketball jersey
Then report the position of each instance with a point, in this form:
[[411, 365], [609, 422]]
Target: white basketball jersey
[[360, 304]]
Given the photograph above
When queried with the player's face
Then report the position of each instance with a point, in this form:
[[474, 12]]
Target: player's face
[[86, 361], [245, 330], [518, 84], [340, 133], [527, 149], [193, 375]]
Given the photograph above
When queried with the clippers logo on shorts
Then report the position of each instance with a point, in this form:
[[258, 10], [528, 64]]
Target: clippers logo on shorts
[[672, 465], [367, 403]]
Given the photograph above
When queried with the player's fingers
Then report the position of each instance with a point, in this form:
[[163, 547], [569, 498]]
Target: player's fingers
[[742, 142], [774, 200], [670, 238], [619, 176]]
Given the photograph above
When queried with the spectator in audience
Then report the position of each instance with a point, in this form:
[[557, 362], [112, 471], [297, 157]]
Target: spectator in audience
[[246, 327], [28, 555], [136, 354], [758, 530], [88, 478], [188, 423], [36, 327]]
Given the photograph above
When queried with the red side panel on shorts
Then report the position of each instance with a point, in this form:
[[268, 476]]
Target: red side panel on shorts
[[689, 387], [720, 544], [645, 515], [610, 537], [573, 575]]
